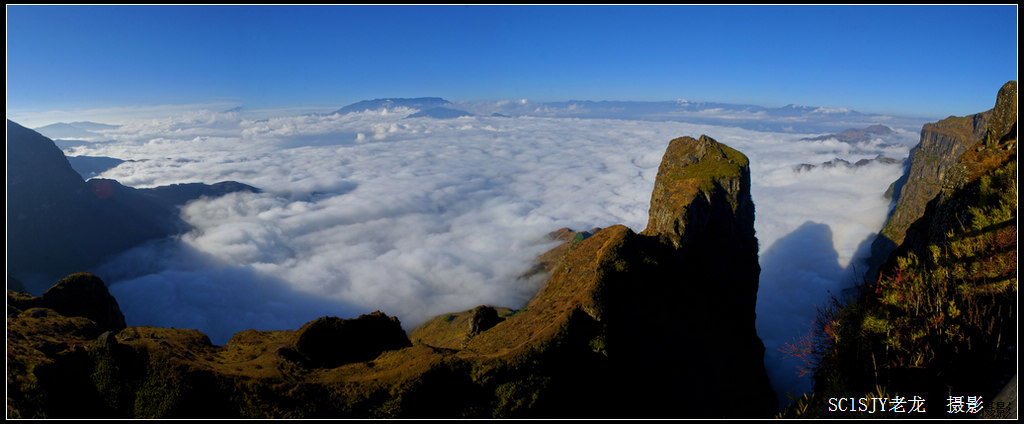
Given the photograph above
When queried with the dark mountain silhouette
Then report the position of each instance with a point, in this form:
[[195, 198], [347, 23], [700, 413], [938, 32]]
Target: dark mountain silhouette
[[91, 166], [58, 224]]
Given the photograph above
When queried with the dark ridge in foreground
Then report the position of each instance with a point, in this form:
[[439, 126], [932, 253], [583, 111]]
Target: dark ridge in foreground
[[658, 324]]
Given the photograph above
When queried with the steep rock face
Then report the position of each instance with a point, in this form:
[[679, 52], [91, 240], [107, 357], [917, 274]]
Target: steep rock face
[[941, 145], [657, 324], [59, 224], [941, 317], [962, 187], [1003, 123], [700, 181]]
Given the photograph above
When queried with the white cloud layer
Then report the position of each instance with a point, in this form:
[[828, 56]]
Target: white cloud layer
[[418, 217]]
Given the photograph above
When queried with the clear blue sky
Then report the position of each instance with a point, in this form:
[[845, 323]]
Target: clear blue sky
[[910, 60]]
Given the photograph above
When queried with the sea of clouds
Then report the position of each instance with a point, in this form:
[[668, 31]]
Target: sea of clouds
[[418, 216]]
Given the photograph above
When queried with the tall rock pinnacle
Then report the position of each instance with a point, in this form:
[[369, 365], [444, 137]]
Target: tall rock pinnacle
[[701, 185]]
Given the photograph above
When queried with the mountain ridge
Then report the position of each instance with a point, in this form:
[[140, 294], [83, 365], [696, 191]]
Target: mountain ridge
[[62, 224]]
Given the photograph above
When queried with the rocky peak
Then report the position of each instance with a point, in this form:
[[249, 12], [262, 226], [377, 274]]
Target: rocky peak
[[937, 162], [85, 295], [1003, 122], [332, 341], [700, 182]]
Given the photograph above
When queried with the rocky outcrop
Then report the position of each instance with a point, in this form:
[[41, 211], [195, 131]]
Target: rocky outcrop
[[702, 187], [657, 324], [1003, 123], [77, 295], [941, 316], [59, 224], [961, 187], [329, 342], [941, 145], [85, 295]]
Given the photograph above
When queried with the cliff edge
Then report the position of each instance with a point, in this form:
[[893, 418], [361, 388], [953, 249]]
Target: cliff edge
[[658, 324]]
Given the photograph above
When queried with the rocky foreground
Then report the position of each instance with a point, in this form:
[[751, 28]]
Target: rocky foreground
[[655, 324]]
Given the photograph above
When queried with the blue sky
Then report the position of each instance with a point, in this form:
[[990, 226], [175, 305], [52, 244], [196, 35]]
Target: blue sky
[[929, 61]]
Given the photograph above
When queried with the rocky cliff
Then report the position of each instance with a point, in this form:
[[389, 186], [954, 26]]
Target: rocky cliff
[[62, 224], [656, 324], [941, 318], [941, 145]]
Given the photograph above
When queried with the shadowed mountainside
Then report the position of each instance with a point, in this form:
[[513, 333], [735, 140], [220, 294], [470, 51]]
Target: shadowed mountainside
[[62, 224], [656, 324]]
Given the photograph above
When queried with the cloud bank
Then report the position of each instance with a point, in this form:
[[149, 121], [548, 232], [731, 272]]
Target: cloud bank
[[419, 216]]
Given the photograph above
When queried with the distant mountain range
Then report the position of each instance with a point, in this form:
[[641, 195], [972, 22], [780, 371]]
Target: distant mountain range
[[74, 130], [845, 163], [421, 103], [854, 135], [789, 118]]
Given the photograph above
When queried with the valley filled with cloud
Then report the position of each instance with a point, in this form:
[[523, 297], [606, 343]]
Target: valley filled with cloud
[[418, 216]]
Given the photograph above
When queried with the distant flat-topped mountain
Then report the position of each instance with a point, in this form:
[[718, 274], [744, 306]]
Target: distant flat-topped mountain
[[57, 223], [421, 103], [74, 130]]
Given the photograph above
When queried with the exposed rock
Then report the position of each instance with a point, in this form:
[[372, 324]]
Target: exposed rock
[[941, 145], [330, 341], [940, 317], [1003, 123], [85, 295], [961, 187], [484, 317], [701, 183], [455, 330]]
